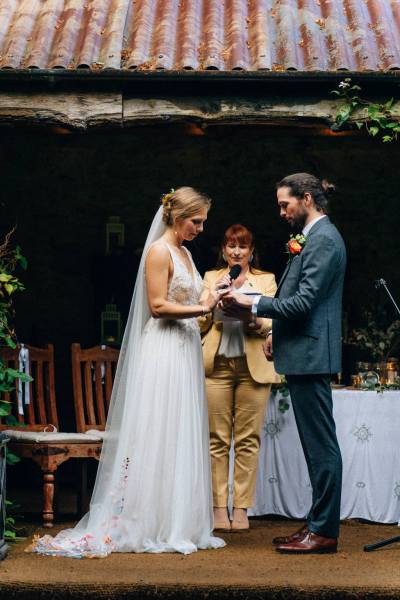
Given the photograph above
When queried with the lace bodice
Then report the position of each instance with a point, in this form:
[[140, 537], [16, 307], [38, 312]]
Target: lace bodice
[[184, 288]]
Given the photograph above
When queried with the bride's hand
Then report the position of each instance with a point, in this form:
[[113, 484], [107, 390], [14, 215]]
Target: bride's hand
[[215, 297]]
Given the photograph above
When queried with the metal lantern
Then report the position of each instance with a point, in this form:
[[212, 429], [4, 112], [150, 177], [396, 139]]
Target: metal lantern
[[111, 326], [115, 234], [3, 450]]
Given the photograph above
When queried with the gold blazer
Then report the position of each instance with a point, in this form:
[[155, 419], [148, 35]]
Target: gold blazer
[[260, 369]]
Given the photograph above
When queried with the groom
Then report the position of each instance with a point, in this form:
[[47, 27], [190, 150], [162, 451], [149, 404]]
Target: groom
[[306, 346]]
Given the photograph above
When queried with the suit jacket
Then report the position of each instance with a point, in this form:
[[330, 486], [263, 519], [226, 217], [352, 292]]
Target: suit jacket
[[260, 370], [307, 307]]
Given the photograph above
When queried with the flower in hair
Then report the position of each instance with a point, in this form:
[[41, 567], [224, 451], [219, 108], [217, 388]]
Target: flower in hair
[[167, 198]]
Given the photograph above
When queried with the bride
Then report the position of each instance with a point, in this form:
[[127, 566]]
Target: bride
[[153, 486]]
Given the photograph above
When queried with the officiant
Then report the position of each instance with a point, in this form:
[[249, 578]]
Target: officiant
[[238, 378]]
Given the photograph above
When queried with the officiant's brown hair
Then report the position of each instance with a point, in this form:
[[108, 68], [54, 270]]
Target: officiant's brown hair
[[183, 203], [239, 234], [301, 183]]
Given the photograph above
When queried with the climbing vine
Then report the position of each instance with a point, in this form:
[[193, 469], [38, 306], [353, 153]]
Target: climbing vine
[[376, 118]]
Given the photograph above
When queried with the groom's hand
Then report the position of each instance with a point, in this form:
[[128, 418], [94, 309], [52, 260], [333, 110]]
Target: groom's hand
[[239, 300], [237, 306]]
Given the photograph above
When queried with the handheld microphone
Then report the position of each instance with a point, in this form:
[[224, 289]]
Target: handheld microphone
[[235, 272]]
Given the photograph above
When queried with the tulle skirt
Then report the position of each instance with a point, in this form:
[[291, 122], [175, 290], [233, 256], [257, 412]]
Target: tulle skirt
[[159, 498]]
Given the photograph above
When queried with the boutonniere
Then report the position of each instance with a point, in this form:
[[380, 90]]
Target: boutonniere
[[295, 245]]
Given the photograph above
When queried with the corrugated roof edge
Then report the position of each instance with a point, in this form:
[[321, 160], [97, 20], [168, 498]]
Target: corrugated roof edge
[[177, 76]]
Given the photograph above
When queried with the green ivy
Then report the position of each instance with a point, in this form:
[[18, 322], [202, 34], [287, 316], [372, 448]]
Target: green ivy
[[376, 118], [11, 530], [381, 387], [10, 259], [283, 390]]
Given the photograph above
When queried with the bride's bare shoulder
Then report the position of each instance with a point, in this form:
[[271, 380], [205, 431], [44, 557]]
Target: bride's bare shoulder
[[158, 253]]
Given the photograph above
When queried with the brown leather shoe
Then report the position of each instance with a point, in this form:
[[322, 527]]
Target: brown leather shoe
[[297, 535], [310, 544]]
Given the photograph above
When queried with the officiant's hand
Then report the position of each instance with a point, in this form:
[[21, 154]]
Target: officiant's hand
[[267, 348], [223, 282]]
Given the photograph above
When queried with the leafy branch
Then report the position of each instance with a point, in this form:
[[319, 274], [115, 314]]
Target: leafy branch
[[283, 390], [376, 118], [379, 342], [11, 530], [10, 258]]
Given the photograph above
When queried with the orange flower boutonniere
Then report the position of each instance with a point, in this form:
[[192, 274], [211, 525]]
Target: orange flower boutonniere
[[295, 245]]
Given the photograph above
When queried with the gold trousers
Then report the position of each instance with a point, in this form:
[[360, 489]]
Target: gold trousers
[[236, 407]]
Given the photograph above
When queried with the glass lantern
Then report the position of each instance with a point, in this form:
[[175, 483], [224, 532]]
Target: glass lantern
[[111, 326], [115, 235]]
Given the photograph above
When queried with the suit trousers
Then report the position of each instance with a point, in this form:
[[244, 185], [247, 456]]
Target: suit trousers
[[236, 408], [311, 398]]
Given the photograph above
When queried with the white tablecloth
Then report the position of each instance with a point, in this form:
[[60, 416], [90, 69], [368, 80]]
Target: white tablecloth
[[368, 429]]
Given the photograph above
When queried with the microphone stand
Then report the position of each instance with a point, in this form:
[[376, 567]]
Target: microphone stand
[[370, 547], [382, 283]]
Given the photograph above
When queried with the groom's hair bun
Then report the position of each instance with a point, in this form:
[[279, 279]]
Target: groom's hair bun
[[329, 188], [302, 183], [183, 203]]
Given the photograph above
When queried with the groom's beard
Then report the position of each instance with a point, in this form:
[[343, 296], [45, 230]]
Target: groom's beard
[[298, 223]]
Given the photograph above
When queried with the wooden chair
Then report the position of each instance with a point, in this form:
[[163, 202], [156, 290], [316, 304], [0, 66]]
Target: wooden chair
[[49, 450], [93, 372], [41, 412]]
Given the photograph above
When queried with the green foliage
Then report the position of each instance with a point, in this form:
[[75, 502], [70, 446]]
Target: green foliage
[[376, 118], [283, 389], [379, 341], [12, 459], [11, 531], [382, 387], [10, 259]]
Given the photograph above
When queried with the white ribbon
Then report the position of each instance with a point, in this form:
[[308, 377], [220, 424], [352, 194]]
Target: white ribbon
[[102, 368], [23, 386]]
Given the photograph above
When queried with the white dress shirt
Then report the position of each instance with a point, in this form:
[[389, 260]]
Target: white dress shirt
[[307, 228], [232, 339]]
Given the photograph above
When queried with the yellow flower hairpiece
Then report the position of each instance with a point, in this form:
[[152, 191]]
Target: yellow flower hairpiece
[[166, 198]]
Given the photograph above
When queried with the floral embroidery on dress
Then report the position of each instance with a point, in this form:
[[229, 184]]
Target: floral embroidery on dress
[[87, 546], [117, 497]]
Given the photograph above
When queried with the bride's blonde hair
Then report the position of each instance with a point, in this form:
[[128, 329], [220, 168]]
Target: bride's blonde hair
[[183, 203]]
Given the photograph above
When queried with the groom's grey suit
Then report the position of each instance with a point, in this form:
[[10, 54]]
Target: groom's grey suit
[[306, 312]]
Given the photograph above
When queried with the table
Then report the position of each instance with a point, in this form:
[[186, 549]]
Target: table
[[368, 430]]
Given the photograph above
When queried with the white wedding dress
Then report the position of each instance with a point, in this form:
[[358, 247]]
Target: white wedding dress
[[153, 488]]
